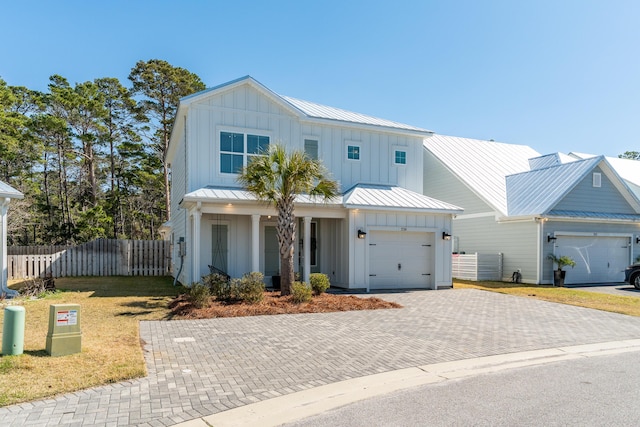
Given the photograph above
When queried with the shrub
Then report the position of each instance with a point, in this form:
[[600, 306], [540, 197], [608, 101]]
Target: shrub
[[219, 285], [199, 295], [300, 292], [319, 283], [250, 288]]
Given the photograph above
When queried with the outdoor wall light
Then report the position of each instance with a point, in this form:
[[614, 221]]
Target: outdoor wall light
[[446, 236], [550, 238], [361, 234], [637, 239]]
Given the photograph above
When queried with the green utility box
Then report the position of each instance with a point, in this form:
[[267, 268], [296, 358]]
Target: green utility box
[[64, 336], [13, 330]]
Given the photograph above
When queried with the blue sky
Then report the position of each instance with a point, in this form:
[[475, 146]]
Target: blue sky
[[558, 75]]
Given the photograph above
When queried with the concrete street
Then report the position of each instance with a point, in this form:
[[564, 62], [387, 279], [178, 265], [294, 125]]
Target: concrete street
[[591, 391]]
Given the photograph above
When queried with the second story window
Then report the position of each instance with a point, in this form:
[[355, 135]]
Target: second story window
[[237, 148], [400, 157], [353, 152]]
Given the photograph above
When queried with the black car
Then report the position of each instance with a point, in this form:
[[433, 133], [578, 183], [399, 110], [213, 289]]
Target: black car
[[632, 275]]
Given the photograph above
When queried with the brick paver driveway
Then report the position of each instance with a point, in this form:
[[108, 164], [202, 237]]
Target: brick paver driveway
[[201, 367]]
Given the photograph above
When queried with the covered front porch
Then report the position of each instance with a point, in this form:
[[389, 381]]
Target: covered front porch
[[231, 231]]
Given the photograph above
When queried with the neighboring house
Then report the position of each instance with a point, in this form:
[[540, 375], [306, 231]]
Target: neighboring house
[[527, 206], [6, 194], [382, 232]]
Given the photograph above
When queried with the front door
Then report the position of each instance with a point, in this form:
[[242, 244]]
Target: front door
[[271, 252], [219, 247]]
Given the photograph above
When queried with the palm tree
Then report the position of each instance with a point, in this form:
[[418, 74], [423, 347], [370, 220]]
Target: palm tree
[[277, 177]]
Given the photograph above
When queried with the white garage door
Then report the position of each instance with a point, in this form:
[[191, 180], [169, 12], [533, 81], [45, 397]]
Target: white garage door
[[400, 260], [598, 259]]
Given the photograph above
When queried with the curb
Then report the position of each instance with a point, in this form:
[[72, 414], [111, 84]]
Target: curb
[[296, 406]]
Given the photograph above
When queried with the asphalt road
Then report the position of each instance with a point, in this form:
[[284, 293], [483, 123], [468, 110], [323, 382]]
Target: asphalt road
[[595, 391]]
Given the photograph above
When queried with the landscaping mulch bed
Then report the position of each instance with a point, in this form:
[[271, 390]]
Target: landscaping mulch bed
[[273, 303]]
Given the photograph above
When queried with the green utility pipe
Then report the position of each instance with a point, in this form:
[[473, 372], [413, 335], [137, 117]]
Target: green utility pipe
[[13, 330]]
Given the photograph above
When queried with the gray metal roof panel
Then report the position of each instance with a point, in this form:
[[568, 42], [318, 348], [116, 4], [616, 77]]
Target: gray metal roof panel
[[537, 191], [376, 196], [594, 215], [9, 192], [311, 109], [482, 165]]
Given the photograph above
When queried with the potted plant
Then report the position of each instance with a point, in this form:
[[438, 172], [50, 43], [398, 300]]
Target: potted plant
[[561, 261]]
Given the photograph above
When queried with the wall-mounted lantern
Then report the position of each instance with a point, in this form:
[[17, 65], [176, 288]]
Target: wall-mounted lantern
[[361, 234], [446, 236], [551, 238], [637, 239]]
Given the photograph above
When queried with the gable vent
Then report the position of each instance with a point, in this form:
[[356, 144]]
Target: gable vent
[[597, 179]]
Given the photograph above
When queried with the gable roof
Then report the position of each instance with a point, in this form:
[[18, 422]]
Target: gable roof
[[9, 192], [536, 192], [482, 165], [628, 169]]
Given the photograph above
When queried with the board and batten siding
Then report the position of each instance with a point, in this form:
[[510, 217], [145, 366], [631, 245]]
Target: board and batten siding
[[586, 197], [248, 111], [440, 183], [409, 222], [515, 240]]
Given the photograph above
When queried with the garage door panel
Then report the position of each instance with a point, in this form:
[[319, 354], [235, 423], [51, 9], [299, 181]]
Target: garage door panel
[[599, 259], [400, 260]]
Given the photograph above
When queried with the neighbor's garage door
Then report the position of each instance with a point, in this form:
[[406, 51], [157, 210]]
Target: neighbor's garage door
[[400, 260], [598, 259]]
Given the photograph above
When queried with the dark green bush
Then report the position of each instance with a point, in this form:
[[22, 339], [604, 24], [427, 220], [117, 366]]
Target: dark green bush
[[250, 288], [300, 292], [319, 283], [219, 285], [199, 295]]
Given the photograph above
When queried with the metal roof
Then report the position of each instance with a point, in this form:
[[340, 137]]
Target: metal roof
[[594, 215], [9, 192], [235, 194], [537, 191], [312, 109], [362, 196], [370, 196], [482, 165]]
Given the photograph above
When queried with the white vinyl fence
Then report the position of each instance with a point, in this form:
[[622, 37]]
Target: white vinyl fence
[[102, 257], [477, 266]]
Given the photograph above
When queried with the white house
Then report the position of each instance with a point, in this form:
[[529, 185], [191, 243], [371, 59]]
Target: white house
[[6, 194], [527, 206], [383, 232]]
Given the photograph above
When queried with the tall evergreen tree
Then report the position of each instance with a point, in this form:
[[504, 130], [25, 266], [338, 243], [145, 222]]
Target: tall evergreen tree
[[162, 85]]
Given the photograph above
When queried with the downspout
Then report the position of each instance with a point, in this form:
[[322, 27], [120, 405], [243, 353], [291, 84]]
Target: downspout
[[540, 244]]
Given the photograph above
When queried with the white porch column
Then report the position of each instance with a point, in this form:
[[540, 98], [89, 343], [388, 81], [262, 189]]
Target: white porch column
[[4, 273], [195, 240], [255, 242], [307, 249]]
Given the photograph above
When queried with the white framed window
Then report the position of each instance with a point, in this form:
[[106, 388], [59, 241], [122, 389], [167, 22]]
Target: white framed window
[[236, 148], [353, 151], [311, 148], [597, 179], [399, 157]]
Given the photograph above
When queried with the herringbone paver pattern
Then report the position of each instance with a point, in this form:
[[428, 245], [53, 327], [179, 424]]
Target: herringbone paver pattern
[[201, 367]]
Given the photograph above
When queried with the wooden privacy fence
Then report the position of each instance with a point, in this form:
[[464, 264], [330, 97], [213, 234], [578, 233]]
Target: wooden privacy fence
[[102, 257], [476, 266]]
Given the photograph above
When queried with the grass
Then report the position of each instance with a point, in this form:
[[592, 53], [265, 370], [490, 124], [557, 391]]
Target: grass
[[110, 309], [599, 301]]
